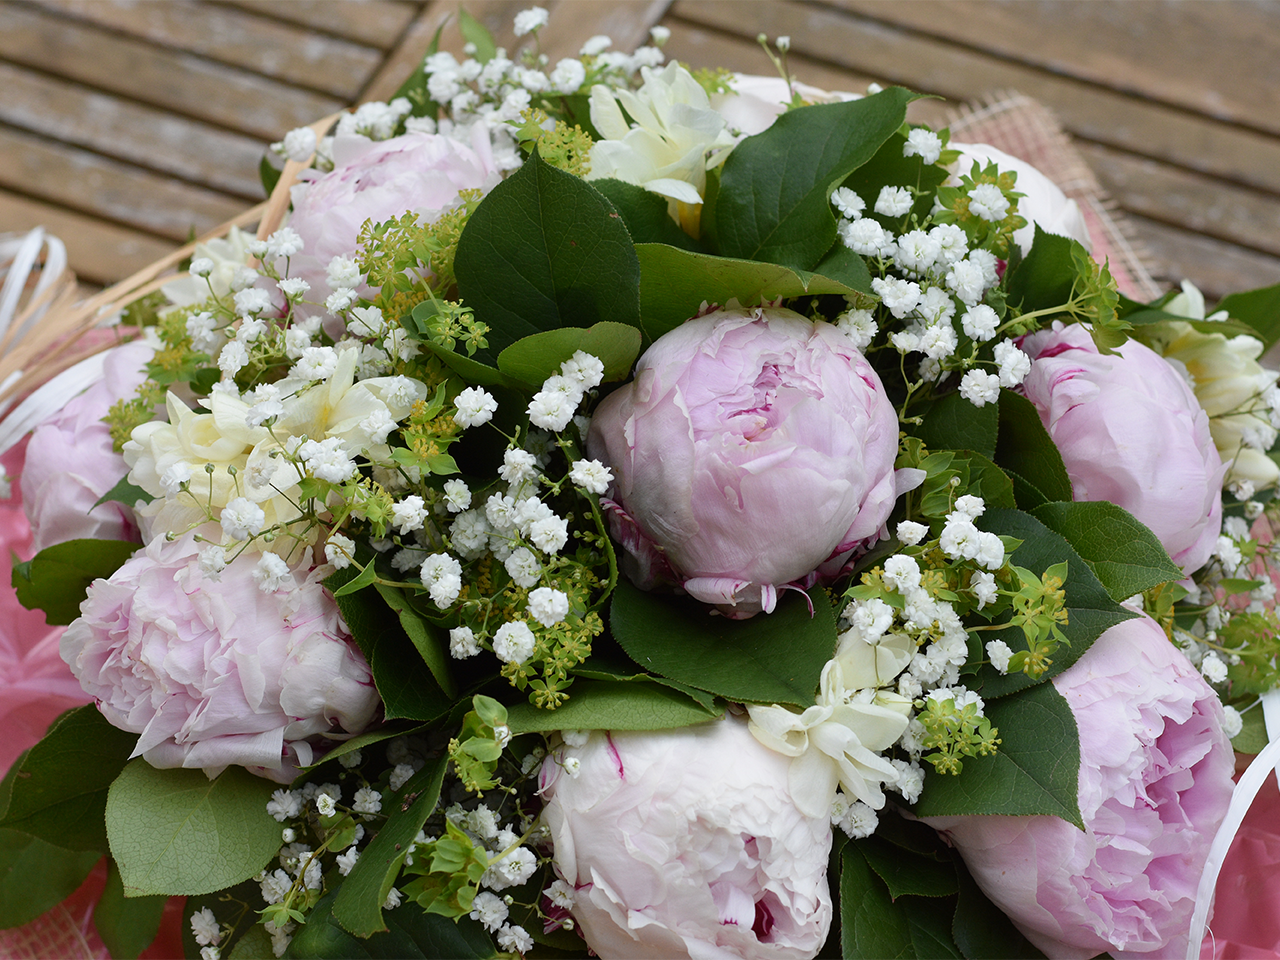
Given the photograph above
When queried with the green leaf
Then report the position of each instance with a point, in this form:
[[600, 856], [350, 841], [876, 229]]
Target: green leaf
[[773, 202], [1045, 277], [268, 174], [953, 423], [228, 907], [425, 637], [126, 493], [1090, 610], [889, 168], [1252, 737], [36, 876], [406, 684], [358, 906], [471, 370], [1259, 308], [362, 579], [1025, 448], [475, 32], [1124, 555], [1033, 772], [546, 250], [770, 658], [675, 283], [535, 358], [178, 832], [59, 788], [612, 705], [645, 214], [908, 873], [254, 945], [411, 935], [982, 930], [56, 579], [127, 925], [986, 480], [844, 266], [870, 927]]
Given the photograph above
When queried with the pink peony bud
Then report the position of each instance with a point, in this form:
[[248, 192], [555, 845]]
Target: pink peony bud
[[70, 461], [213, 674], [686, 843], [1154, 784], [1130, 431], [753, 450], [379, 181]]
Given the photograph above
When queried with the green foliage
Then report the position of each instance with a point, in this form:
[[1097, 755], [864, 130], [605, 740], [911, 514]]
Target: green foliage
[[953, 423], [1260, 309], [178, 832], [539, 356], [546, 250], [57, 578], [1034, 771], [1027, 453], [995, 236], [645, 214], [36, 876], [1039, 611], [1059, 280], [613, 705], [875, 924], [127, 925], [740, 660], [953, 732], [563, 147], [126, 493], [983, 930], [410, 935], [474, 752]]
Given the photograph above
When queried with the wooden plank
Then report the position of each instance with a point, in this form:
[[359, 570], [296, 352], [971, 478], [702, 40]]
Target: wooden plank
[[100, 253], [574, 22], [234, 37], [127, 131], [1245, 218], [961, 74], [1217, 268], [1221, 60], [178, 82], [699, 47], [375, 23], [95, 185]]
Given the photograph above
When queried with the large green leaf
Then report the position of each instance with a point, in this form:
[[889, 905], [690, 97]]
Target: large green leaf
[[982, 930], [1260, 309], [773, 201], [889, 168], [127, 925], [36, 876], [1124, 555], [424, 635], [59, 787], [674, 284], [875, 924], [904, 872], [1090, 610], [953, 423], [770, 658], [411, 935], [545, 250], [55, 579], [178, 832], [645, 214], [406, 684], [1045, 277], [358, 906], [1034, 771], [1024, 448], [537, 357], [612, 705]]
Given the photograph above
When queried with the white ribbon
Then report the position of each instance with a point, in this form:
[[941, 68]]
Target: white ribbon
[[1241, 798]]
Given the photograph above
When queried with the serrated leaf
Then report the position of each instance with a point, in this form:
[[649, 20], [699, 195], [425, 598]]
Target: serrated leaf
[[905, 873], [57, 578], [127, 925], [535, 358], [1025, 448], [425, 637], [645, 214], [870, 927], [773, 204], [358, 905], [546, 250], [770, 658], [982, 930], [36, 876], [178, 832], [675, 283], [1125, 556], [1045, 276], [59, 787], [988, 481], [612, 705], [411, 935], [953, 423], [1090, 610], [1034, 771]]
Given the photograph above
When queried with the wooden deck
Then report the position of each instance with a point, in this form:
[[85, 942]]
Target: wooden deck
[[125, 126]]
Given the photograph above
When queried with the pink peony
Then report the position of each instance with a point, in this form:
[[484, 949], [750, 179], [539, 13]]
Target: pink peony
[[70, 461], [753, 450], [1154, 784], [1130, 431], [212, 674], [686, 843], [380, 181]]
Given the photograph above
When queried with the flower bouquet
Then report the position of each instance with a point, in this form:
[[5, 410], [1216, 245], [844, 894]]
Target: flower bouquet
[[647, 513]]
